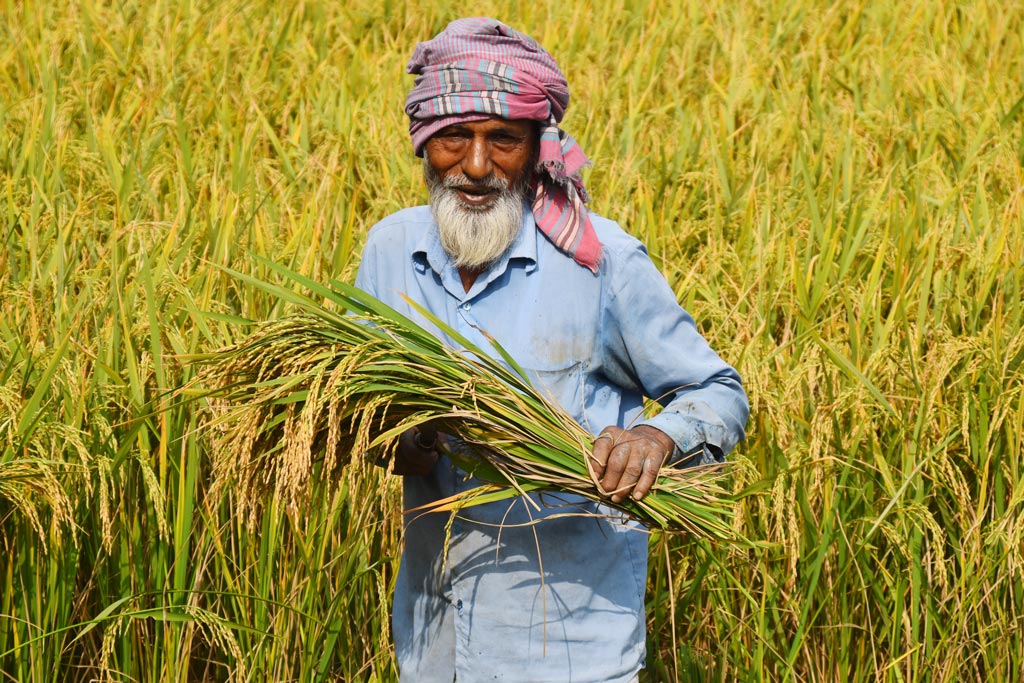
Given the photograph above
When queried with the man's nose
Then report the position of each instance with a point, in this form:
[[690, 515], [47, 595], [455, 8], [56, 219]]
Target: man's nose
[[477, 162]]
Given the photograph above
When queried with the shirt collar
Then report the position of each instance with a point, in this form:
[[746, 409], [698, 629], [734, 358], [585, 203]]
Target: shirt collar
[[428, 252]]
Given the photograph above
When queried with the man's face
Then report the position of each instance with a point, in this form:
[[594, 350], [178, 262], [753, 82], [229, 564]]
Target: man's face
[[480, 149], [477, 174]]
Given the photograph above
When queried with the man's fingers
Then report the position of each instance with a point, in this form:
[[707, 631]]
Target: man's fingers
[[603, 445], [632, 463], [630, 475], [427, 433], [647, 478], [634, 470], [411, 455], [616, 476]]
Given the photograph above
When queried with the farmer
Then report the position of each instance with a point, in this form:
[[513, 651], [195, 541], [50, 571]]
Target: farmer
[[551, 591]]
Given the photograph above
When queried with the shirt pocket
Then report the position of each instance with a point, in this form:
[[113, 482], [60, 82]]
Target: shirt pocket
[[559, 383]]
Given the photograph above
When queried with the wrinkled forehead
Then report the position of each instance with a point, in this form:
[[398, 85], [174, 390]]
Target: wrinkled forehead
[[491, 124]]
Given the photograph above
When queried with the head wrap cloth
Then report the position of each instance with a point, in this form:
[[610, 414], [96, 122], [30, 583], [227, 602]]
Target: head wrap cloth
[[479, 68]]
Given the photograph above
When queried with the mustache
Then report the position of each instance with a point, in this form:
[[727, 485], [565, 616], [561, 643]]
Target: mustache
[[490, 182]]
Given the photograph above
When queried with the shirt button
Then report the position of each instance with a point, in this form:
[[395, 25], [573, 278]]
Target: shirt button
[[466, 306]]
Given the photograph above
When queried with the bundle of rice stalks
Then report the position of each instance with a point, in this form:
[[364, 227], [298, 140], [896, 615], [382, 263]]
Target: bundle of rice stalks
[[308, 391]]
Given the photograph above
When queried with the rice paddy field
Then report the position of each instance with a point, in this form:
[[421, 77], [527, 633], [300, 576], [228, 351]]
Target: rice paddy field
[[834, 190]]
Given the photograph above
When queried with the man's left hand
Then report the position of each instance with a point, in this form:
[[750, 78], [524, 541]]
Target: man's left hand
[[628, 460]]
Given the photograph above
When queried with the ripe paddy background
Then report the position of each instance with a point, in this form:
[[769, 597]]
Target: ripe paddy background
[[834, 190]]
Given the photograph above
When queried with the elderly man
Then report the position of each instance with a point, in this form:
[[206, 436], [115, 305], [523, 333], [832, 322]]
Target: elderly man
[[507, 249]]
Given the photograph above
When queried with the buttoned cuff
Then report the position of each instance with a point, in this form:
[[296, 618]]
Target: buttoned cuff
[[690, 451]]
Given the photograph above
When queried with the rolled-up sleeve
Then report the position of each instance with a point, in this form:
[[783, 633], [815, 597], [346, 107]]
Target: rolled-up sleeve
[[650, 338]]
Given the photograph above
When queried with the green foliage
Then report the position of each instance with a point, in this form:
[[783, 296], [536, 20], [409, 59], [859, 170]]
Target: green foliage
[[833, 190], [347, 377]]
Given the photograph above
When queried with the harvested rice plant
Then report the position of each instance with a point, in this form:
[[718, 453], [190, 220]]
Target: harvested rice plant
[[834, 190]]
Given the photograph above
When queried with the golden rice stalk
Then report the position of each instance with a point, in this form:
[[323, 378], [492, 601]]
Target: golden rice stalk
[[302, 394]]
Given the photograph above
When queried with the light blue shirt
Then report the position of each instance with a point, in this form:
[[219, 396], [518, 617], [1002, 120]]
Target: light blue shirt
[[559, 600]]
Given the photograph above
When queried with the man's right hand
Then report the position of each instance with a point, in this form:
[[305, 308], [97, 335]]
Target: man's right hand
[[417, 451]]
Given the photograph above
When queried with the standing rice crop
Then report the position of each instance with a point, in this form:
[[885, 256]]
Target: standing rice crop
[[834, 190]]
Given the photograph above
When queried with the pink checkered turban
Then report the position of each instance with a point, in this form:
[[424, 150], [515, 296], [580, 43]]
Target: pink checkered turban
[[479, 68]]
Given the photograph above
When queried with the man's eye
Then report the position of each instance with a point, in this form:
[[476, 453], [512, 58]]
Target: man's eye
[[452, 139]]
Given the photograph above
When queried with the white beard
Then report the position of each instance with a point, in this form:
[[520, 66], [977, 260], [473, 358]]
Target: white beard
[[474, 238]]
